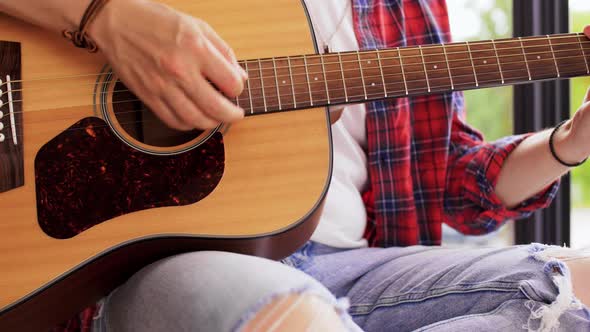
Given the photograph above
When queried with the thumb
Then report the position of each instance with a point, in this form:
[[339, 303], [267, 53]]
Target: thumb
[[587, 31]]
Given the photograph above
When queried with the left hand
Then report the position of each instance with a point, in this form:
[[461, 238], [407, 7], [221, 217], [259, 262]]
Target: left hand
[[573, 139]]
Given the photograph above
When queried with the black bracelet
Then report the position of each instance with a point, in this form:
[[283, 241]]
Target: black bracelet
[[552, 148], [80, 37]]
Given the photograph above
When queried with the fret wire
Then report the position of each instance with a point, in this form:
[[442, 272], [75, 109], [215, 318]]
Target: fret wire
[[403, 71], [420, 80], [342, 74], [262, 86], [307, 79], [448, 66], [472, 64], [358, 56], [525, 58], [424, 65], [419, 91], [325, 79], [292, 83], [460, 60], [583, 54], [381, 71], [249, 90], [498, 60], [464, 84], [554, 59], [274, 65]]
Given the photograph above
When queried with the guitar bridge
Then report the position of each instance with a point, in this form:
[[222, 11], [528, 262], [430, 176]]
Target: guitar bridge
[[11, 118]]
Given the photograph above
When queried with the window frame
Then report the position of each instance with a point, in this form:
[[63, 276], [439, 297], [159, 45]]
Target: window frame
[[538, 106]]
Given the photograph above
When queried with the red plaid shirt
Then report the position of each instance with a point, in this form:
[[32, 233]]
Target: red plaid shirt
[[426, 165]]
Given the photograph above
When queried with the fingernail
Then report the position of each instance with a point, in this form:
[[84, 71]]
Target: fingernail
[[243, 72]]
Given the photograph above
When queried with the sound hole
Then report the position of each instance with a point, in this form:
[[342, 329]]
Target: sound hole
[[142, 124]]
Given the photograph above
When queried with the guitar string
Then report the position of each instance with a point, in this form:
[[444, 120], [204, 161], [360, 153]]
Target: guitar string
[[425, 47], [577, 48], [361, 96], [442, 62], [285, 98], [272, 89], [494, 64], [319, 100]]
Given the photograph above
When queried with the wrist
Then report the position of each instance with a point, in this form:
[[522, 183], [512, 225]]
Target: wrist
[[72, 14], [566, 147], [102, 27]]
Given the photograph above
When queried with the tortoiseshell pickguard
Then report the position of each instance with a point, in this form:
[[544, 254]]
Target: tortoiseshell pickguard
[[87, 175]]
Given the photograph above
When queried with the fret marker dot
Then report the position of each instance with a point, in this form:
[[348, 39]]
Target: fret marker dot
[[372, 84], [435, 67], [284, 82], [485, 62], [369, 62], [538, 57], [315, 78]]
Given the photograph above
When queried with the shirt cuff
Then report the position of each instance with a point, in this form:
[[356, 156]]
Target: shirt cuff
[[481, 187]]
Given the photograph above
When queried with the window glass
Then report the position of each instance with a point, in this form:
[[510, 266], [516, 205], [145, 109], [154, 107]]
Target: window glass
[[580, 216], [489, 110]]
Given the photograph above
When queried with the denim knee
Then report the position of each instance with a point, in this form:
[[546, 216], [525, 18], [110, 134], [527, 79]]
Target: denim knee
[[214, 291]]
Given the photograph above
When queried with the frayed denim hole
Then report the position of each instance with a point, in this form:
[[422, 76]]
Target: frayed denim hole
[[536, 248], [555, 267], [545, 317], [340, 306]]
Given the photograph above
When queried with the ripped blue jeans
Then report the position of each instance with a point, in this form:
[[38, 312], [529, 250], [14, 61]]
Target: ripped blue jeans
[[396, 289], [437, 289]]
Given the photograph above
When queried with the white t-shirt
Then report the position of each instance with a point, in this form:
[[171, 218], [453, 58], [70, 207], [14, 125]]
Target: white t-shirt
[[344, 219]]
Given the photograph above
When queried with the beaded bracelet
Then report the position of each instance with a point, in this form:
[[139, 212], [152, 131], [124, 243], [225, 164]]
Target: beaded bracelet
[[552, 148], [80, 37]]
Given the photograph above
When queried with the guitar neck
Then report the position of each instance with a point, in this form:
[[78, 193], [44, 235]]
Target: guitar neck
[[299, 82]]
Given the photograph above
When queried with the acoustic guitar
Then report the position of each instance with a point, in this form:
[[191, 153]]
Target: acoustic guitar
[[93, 187]]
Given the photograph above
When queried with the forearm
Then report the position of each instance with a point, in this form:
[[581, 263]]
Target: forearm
[[531, 167], [56, 15]]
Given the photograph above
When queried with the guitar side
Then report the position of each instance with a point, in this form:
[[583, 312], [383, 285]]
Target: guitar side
[[267, 202]]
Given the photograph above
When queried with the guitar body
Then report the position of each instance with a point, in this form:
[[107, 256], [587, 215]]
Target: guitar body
[[81, 209]]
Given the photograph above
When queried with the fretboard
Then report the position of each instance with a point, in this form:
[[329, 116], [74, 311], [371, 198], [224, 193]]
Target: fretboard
[[299, 82]]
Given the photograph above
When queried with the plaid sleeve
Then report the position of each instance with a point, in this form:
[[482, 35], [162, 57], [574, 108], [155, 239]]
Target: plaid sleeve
[[471, 204]]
